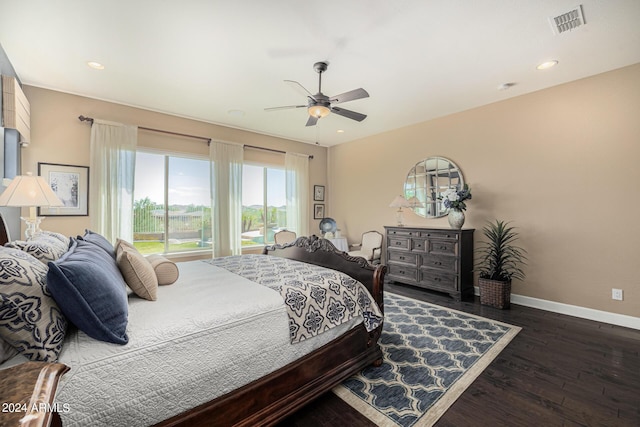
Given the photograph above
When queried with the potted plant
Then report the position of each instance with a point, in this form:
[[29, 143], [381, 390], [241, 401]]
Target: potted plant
[[498, 261]]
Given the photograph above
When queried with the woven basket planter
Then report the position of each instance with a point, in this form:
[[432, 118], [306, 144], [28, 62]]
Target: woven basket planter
[[495, 293]]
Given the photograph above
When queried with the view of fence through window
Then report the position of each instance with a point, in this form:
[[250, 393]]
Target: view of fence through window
[[264, 210], [186, 224], [178, 218]]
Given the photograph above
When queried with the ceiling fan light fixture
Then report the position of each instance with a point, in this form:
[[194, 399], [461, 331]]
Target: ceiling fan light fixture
[[319, 111]]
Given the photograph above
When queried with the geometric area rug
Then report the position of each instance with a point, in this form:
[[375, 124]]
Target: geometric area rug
[[431, 354]]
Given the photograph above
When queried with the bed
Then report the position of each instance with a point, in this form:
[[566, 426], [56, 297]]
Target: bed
[[273, 383]]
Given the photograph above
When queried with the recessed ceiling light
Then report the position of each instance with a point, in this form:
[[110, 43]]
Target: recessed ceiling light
[[95, 65], [340, 131], [547, 64]]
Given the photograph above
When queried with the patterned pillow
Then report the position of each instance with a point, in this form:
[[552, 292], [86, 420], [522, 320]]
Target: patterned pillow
[[166, 271], [59, 236], [44, 248], [30, 319], [138, 273]]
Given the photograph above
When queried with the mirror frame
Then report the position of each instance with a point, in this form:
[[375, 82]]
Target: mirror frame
[[427, 180]]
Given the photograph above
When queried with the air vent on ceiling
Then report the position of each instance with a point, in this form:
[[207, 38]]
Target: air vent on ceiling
[[567, 21]]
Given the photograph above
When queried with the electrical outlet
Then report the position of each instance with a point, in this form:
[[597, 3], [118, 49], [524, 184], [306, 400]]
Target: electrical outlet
[[616, 294]]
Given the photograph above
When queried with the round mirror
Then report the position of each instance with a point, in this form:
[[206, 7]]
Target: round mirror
[[427, 180]]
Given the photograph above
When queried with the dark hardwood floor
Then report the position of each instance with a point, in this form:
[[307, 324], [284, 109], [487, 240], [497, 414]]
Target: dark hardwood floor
[[558, 371]]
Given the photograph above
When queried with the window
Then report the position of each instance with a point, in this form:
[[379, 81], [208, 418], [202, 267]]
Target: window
[[264, 202], [171, 210]]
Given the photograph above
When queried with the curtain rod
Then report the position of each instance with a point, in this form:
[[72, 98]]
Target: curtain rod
[[271, 149], [90, 120]]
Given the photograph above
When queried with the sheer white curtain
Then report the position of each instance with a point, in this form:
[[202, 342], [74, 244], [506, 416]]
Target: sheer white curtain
[[111, 177], [297, 183], [226, 197]]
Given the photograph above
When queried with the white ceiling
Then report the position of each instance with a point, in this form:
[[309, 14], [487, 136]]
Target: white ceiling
[[418, 59]]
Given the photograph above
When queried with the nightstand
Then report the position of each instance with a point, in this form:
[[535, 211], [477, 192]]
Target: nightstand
[[27, 392]]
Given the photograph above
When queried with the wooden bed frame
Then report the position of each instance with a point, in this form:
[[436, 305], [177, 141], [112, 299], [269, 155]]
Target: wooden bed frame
[[269, 399]]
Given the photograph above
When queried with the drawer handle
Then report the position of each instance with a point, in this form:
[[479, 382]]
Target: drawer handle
[[437, 279], [398, 243], [438, 263], [443, 247], [401, 272], [401, 258]]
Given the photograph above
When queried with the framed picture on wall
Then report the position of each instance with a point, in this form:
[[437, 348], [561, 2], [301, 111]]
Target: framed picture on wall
[[318, 211], [71, 185], [318, 193]]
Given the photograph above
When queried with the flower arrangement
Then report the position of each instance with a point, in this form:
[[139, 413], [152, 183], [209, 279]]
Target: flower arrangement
[[454, 199]]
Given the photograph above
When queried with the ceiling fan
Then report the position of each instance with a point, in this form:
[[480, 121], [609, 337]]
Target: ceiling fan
[[320, 105]]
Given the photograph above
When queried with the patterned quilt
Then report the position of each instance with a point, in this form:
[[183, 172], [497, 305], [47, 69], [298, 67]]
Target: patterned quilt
[[316, 298]]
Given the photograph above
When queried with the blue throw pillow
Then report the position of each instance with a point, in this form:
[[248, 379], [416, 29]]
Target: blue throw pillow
[[87, 285], [98, 240]]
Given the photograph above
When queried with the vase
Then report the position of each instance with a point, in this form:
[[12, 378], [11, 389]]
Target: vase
[[456, 218]]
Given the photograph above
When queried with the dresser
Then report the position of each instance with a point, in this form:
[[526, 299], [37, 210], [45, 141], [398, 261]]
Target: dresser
[[439, 259]]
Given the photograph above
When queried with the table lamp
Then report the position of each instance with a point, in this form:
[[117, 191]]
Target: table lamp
[[30, 191], [399, 202]]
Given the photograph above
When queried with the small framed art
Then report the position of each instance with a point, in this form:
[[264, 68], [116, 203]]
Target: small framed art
[[71, 185], [318, 193], [318, 211]]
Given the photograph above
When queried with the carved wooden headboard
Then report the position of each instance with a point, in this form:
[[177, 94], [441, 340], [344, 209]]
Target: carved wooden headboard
[[4, 231]]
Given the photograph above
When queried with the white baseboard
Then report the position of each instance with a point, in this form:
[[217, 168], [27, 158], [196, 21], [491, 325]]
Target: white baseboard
[[576, 311]]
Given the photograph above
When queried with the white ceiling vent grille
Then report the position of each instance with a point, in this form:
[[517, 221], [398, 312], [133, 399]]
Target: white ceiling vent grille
[[567, 21]]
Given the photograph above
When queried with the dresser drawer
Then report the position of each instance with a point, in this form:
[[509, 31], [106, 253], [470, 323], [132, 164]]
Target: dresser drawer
[[442, 235], [441, 262], [407, 232], [418, 245], [402, 272], [438, 280], [398, 242], [443, 247], [403, 257]]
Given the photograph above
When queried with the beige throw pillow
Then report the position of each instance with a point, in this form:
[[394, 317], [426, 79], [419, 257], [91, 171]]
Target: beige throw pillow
[[121, 244], [138, 273], [166, 270]]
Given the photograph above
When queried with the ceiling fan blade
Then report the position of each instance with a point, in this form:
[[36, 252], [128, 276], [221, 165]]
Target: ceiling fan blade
[[349, 96], [298, 86], [284, 107], [349, 114], [312, 121]]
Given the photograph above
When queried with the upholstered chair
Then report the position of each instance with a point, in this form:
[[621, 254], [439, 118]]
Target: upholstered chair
[[370, 248], [284, 236]]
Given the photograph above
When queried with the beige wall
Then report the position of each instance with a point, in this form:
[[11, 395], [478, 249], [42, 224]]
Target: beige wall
[[57, 136], [561, 163]]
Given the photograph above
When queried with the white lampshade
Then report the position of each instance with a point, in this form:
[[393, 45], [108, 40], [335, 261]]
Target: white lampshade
[[399, 202], [29, 191]]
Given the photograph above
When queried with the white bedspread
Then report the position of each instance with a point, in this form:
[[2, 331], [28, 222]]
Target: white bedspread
[[198, 341]]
